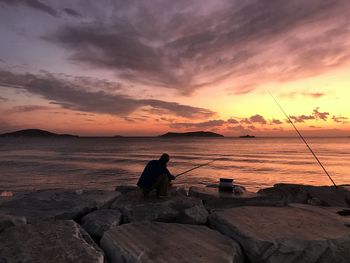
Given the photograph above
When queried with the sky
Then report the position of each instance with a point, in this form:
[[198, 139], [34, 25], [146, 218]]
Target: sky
[[116, 67]]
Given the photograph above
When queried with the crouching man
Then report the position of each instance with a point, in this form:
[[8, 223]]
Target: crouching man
[[156, 176]]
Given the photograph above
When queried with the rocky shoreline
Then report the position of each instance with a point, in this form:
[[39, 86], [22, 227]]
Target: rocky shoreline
[[284, 223]]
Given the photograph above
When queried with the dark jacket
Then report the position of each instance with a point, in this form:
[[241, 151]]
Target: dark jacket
[[151, 173]]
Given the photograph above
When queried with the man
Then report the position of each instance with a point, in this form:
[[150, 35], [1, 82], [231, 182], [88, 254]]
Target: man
[[156, 176]]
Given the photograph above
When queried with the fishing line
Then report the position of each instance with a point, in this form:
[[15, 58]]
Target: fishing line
[[196, 167], [295, 128]]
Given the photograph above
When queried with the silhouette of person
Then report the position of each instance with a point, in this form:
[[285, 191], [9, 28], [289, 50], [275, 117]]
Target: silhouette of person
[[156, 176]]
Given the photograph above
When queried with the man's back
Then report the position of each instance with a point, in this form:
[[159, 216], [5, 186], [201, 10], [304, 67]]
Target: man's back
[[151, 173]]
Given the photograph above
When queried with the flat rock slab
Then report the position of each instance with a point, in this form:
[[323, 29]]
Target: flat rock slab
[[168, 242], [8, 221], [214, 199], [99, 221], [174, 208], [56, 241], [57, 203], [285, 234], [307, 194]]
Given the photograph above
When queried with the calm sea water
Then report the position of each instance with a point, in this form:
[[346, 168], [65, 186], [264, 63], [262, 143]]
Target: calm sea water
[[34, 163]]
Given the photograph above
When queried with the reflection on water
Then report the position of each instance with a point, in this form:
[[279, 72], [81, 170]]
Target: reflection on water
[[27, 163]]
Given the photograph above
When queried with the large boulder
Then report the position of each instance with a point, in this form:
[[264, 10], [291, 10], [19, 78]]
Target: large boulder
[[168, 242], [285, 234], [99, 221], [57, 203], [307, 194], [9, 220], [214, 199], [174, 208], [56, 241]]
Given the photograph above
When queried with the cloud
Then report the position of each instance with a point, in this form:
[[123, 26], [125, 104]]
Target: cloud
[[245, 122], [35, 4], [206, 124], [232, 121], [71, 12], [187, 45], [3, 99], [315, 95], [320, 115], [73, 96], [254, 119], [276, 121], [302, 118], [340, 119], [29, 108], [316, 115]]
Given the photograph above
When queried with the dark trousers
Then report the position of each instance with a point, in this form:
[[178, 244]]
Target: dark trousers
[[161, 186]]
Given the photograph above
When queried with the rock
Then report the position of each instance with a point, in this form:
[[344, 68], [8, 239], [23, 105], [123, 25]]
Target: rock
[[213, 199], [194, 215], [168, 242], [57, 204], [123, 189], [99, 221], [307, 194], [56, 241], [8, 221], [285, 234], [173, 208]]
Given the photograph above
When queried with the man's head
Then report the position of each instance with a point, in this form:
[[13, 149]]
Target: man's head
[[164, 158]]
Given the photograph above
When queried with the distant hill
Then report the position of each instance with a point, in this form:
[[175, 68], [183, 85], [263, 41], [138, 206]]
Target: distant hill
[[190, 134], [34, 133]]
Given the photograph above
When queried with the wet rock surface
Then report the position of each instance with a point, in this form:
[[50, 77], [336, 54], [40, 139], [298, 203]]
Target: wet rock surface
[[285, 234], [168, 242], [57, 203], [55, 241], [174, 208], [99, 221], [306, 194], [214, 199]]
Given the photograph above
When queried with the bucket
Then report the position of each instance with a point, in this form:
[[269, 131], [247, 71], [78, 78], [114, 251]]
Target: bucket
[[225, 185]]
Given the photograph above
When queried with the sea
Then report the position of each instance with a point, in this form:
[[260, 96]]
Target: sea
[[103, 163]]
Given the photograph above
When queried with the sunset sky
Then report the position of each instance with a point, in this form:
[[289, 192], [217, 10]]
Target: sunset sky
[[148, 67]]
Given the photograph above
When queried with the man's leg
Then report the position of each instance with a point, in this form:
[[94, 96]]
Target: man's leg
[[146, 191]]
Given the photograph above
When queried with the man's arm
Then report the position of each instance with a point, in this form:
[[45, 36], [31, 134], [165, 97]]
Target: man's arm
[[170, 176]]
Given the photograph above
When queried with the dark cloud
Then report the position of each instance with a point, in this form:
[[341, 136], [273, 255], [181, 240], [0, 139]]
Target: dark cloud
[[302, 118], [187, 45], [35, 4], [340, 119], [29, 108], [246, 122], [316, 115], [254, 119], [232, 121], [276, 121], [320, 115], [71, 12], [72, 96]]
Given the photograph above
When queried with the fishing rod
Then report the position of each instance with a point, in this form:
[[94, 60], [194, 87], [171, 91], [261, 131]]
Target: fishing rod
[[295, 128], [196, 167]]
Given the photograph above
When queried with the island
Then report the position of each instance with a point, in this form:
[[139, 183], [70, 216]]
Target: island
[[191, 134], [35, 133], [247, 136]]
